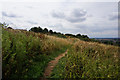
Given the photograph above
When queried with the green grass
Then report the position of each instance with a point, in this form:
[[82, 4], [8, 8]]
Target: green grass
[[37, 70], [88, 60], [59, 69], [26, 54]]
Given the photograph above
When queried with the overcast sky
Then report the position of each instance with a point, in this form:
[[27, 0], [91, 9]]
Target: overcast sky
[[95, 19]]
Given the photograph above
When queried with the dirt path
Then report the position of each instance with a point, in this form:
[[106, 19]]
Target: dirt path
[[52, 64]]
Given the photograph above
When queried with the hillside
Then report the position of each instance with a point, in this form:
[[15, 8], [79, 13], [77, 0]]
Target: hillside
[[26, 54]]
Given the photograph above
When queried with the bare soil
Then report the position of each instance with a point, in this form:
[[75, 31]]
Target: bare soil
[[52, 64]]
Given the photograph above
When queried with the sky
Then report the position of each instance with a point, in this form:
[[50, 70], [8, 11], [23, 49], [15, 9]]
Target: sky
[[97, 19]]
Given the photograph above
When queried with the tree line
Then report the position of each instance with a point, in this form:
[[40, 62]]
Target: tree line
[[79, 36], [58, 34]]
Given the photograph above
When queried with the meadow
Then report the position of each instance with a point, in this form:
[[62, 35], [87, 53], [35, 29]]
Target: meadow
[[89, 60], [25, 54]]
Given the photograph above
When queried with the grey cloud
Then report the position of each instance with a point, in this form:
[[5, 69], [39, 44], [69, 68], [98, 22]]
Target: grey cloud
[[58, 26], [77, 15], [114, 16], [32, 22], [102, 29], [9, 15], [58, 14], [10, 23], [74, 20], [80, 26], [89, 15]]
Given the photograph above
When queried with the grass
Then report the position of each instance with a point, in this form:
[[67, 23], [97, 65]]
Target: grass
[[59, 69], [88, 60], [25, 54], [37, 70]]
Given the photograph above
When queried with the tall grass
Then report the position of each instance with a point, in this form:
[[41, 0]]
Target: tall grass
[[26, 54], [22, 51], [89, 60]]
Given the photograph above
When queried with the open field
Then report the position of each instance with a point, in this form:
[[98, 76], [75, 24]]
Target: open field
[[26, 55], [89, 60]]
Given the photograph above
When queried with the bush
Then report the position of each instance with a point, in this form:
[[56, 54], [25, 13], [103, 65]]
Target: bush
[[21, 49]]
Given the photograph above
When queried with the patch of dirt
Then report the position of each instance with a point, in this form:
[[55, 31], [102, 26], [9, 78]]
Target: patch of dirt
[[52, 64]]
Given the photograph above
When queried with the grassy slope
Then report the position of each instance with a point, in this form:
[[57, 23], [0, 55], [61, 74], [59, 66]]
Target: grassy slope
[[88, 60], [37, 69], [25, 54]]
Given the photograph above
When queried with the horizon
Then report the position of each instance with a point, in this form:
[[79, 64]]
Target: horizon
[[75, 34]]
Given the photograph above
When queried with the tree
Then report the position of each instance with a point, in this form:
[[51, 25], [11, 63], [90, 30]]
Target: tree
[[50, 31], [45, 30], [54, 32], [40, 29], [9, 28], [34, 29], [78, 35], [85, 36], [71, 35], [4, 25]]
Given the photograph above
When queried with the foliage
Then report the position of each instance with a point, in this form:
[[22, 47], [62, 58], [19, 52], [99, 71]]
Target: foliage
[[89, 60], [3, 25], [23, 52], [58, 34], [79, 36], [26, 54]]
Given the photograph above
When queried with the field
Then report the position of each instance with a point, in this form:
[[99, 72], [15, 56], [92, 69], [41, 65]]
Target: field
[[89, 60], [26, 54]]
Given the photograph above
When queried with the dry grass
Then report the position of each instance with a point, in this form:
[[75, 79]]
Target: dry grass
[[89, 60], [84, 59]]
